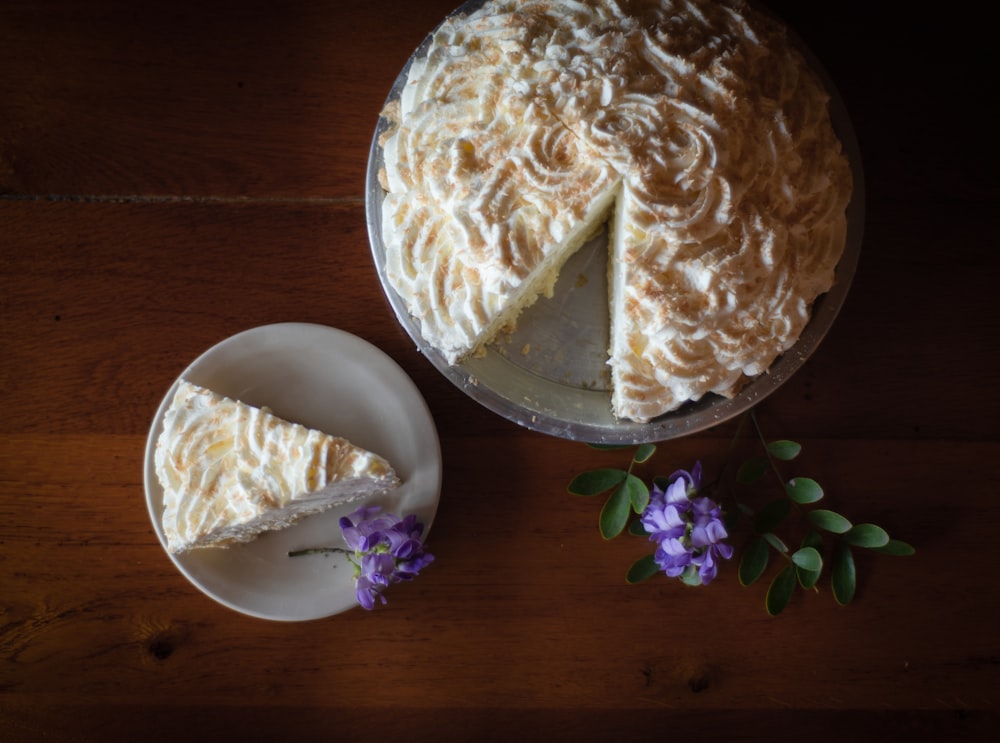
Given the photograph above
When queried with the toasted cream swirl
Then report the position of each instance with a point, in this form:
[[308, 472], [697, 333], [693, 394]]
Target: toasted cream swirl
[[525, 120], [229, 469]]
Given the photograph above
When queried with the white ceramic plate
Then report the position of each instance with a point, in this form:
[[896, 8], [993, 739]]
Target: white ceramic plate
[[561, 387], [333, 381]]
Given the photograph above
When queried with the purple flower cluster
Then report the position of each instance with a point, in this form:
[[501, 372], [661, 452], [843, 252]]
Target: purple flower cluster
[[386, 550], [688, 530]]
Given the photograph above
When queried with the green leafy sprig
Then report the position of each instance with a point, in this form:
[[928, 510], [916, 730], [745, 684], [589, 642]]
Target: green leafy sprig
[[829, 538], [828, 542], [627, 493]]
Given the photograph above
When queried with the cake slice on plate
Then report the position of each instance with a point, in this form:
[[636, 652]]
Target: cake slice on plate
[[231, 471]]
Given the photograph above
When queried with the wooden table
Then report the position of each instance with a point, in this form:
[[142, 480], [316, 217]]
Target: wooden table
[[174, 173]]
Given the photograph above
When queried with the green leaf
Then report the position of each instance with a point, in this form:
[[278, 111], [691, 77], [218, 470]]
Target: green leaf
[[809, 578], [866, 535], [808, 558], [731, 519], [614, 514], [638, 493], [596, 481], [643, 453], [637, 529], [771, 515], [784, 449], [751, 470], [844, 578], [772, 539], [780, 591], [828, 521], [896, 547], [753, 563], [642, 569], [804, 490], [813, 539]]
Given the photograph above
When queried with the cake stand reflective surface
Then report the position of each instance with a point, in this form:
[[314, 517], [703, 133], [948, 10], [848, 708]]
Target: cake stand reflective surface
[[551, 374]]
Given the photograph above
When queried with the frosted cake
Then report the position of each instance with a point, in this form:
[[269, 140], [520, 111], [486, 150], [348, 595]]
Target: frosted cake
[[694, 132]]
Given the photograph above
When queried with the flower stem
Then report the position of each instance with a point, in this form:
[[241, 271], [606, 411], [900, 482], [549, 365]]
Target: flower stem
[[767, 452], [737, 435], [316, 551]]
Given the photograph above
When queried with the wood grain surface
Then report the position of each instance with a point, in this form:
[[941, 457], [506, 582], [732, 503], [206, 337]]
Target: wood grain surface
[[174, 173]]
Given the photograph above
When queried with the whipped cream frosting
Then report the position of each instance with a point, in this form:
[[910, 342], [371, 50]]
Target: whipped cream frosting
[[695, 125], [230, 471]]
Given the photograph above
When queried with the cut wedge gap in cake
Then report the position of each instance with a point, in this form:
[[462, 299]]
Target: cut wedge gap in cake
[[541, 282]]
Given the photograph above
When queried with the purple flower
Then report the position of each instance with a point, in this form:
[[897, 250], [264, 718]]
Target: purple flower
[[367, 592], [386, 550], [688, 531]]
